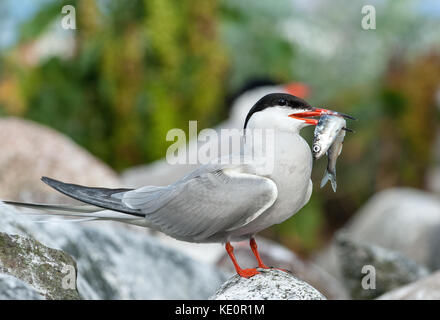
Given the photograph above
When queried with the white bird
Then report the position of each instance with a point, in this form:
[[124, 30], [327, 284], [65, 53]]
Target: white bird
[[218, 202]]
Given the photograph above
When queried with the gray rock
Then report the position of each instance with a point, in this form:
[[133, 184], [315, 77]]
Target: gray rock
[[391, 269], [400, 219], [12, 288], [433, 179], [275, 255], [427, 288], [270, 284], [119, 262], [33, 151], [404, 220], [43, 268]]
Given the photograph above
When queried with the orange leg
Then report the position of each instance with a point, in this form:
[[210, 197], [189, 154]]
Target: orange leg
[[246, 273], [261, 265], [254, 248]]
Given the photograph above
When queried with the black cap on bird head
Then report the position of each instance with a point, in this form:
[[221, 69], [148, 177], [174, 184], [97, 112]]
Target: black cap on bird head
[[278, 100]]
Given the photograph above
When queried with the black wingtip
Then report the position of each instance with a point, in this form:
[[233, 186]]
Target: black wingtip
[[100, 197], [48, 180], [55, 184]]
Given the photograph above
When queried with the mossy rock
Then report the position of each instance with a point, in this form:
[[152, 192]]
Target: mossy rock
[[51, 272]]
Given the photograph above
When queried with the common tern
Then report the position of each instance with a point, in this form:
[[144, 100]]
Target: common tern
[[218, 202]]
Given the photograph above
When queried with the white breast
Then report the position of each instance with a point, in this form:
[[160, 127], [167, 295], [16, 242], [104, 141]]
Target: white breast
[[291, 173]]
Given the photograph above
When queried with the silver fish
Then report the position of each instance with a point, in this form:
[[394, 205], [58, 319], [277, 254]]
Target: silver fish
[[326, 131], [333, 153]]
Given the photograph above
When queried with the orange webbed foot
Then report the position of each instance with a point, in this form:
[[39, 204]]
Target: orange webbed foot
[[247, 273]]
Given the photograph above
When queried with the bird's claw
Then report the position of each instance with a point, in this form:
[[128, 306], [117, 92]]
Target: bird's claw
[[247, 273]]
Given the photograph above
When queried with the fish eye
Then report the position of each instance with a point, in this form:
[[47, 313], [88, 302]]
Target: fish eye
[[316, 148], [282, 102]]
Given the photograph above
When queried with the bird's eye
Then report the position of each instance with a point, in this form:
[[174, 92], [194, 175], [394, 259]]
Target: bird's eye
[[316, 148], [282, 102]]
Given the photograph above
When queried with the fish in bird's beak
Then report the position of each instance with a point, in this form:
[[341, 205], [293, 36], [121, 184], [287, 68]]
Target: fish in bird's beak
[[317, 112]]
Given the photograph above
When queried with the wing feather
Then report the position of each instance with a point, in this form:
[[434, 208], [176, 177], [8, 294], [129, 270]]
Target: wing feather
[[211, 200]]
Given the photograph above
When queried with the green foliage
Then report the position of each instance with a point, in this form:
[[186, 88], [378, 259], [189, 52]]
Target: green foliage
[[42, 20], [140, 69], [254, 33], [394, 103], [304, 229]]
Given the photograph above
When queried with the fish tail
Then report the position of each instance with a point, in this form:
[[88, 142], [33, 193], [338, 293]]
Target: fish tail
[[329, 176], [325, 178]]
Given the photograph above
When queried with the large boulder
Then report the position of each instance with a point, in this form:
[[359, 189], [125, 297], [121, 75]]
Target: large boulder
[[404, 220], [269, 284], [369, 271], [117, 262], [401, 219], [275, 255], [50, 272], [30, 150], [427, 288]]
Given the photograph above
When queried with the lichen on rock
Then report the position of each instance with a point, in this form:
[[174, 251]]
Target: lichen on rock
[[43, 268], [269, 284], [391, 269]]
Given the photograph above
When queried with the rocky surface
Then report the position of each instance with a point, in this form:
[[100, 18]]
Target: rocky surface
[[403, 220], [33, 151], [270, 284], [275, 255], [363, 265], [12, 288], [117, 262], [427, 288], [44, 269]]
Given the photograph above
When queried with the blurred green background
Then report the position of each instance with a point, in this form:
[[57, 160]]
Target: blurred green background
[[132, 70]]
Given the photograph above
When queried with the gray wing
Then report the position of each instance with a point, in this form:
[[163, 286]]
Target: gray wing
[[100, 197], [211, 199]]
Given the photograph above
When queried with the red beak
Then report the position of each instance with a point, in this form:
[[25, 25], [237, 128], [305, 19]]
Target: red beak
[[316, 112], [309, 121]]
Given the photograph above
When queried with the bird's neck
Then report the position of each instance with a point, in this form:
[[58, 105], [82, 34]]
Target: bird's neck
[[272, 148]]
